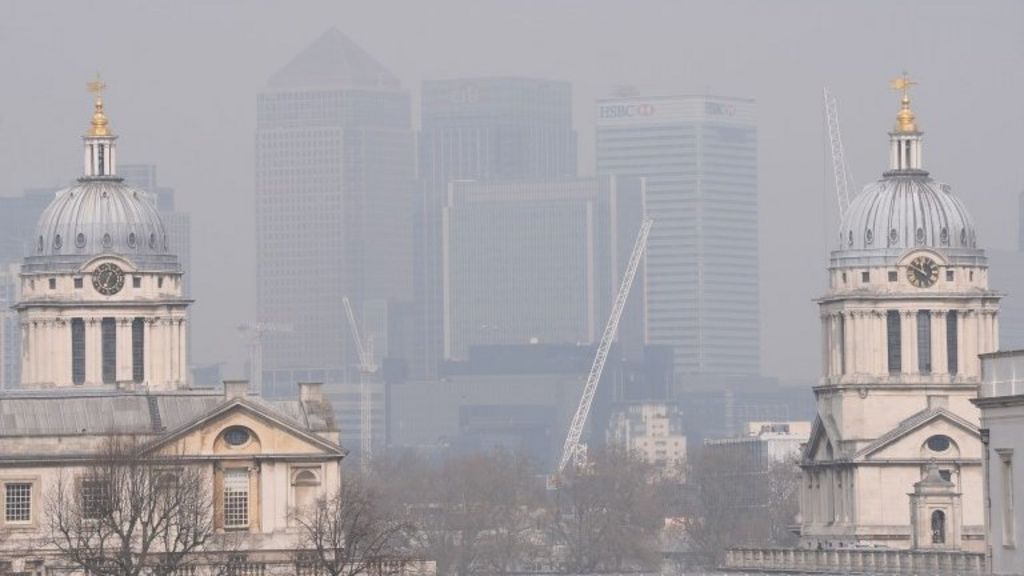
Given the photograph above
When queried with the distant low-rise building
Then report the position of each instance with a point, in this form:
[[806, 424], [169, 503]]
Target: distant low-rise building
[[652, 430], [1001, 399], [766, 442]]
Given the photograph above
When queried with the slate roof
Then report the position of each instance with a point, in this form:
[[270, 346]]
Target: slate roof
[[105, 411]]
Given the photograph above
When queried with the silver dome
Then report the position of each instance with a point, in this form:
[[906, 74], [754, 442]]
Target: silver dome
[[903, 211], [100, 216]]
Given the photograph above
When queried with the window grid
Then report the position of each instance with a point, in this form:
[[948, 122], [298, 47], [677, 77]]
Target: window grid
[[236, 498], [924, 341], [951, 342], [138, 350], [92, 497], [109, 343], [894, 342], [18, 502], [78, 351]]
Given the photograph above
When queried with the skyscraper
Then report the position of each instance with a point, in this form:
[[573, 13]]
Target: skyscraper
[[537, 262], [483, 129], [334, 214], [699, 156]]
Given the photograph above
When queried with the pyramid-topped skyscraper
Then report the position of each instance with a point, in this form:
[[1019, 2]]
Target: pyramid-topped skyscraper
[[334, 200]]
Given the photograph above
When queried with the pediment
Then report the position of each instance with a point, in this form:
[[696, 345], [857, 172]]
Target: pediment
[[266, 434], [909, 440], [820, 445]]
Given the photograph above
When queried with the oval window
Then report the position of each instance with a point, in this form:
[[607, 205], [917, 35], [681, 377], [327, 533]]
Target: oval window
[[868, 236], [237, 436], [107, 242], [152, 241], [57, 242], [80, 240], [894, 236], [938, 443], [131, 239]]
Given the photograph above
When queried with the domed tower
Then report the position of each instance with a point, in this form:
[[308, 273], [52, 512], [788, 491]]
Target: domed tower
[[906, 314], [101, 296]]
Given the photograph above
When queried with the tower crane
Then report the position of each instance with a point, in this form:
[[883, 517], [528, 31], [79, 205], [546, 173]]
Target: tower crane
[[256, 332], [840, 168], [573, 449], [367, 367]]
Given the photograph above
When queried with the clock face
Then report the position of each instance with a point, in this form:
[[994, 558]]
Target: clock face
[[922, 272], [108, 279]]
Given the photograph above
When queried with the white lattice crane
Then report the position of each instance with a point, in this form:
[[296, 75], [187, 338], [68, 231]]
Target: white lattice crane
[[573, 449], [256, 332], [840, 168], [367, 367]]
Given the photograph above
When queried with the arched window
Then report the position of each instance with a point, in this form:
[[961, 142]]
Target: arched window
[[938, 527], [306, 485]]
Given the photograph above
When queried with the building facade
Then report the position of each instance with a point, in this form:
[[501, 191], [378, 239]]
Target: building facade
[[698, 155], [537, 261], [651, 430], [334, 203], [895, 454], [1001, 400], [485, 130]]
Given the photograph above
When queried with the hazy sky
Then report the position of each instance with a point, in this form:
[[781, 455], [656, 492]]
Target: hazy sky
[[183, 78]]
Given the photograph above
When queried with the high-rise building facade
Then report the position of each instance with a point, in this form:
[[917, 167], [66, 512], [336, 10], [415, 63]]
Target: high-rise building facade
[[334, 201], [537, 262], [482, 129], [699, 157]]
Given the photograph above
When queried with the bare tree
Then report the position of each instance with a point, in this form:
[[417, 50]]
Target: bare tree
[[607, 517], [735, 500], [355, 531], [128, 514]]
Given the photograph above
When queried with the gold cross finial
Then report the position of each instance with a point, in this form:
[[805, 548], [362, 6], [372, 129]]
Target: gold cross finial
[[100, 125], [97, 86], [903, 84], [905, 121]]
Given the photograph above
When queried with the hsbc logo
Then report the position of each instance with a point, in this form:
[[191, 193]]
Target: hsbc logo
[[625, 110]]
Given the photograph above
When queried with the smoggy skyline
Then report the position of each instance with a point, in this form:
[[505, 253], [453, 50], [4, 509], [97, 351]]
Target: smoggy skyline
[[183, 80]]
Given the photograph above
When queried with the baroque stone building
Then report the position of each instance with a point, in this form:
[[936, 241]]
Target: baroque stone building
[[894, 458], [104, 331]]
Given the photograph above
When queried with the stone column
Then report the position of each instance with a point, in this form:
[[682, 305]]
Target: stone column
[[147, 349], [835, 349], [183, 350], [123, 332], [939, 363], [93, 352], [26, 352], [826, 368], [971, 342], [848, 347], [882, 350], [908, 344]]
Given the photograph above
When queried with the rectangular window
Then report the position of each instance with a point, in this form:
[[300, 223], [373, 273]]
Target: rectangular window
[[93, 499], [78, 351], [78, 282], [138, 349], [893, 276], [949, 275], [53, 283], [924, 341], [865, 277], [894, 341], [1009, 509], [951, 342], [236, 498], [136, 282], [18, 502], [108, 338]]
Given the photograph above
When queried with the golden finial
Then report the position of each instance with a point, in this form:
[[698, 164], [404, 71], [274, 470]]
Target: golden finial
[[99, 119], [905, 121]]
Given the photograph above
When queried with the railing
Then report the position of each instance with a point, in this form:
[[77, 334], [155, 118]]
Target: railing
[[857, 560]]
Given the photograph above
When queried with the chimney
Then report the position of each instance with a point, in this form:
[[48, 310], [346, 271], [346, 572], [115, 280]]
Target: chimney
[[311, 391], [235, 389]]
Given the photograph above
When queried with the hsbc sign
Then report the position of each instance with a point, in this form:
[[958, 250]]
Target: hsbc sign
[[625, 110]]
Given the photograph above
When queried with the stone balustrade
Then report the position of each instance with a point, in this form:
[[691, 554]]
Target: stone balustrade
[[855, 560]]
